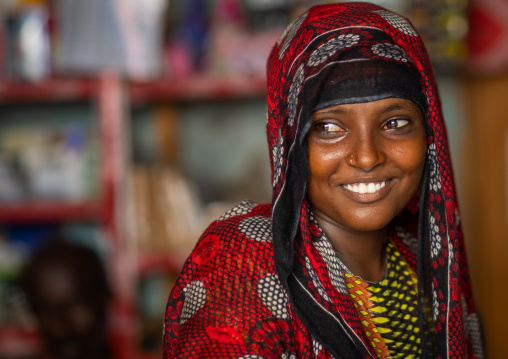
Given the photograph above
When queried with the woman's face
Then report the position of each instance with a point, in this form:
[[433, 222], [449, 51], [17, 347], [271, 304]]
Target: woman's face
[[366, 162], [70, 312]]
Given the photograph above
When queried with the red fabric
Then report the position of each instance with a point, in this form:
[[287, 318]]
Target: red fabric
[[263, 281], [230, 318], [488, 35]]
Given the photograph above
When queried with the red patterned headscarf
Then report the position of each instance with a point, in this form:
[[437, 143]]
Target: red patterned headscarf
[[263, 280], [332, 37]]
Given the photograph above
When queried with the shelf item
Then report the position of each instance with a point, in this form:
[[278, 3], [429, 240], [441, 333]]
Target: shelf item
[[124, 36], [163, 214]]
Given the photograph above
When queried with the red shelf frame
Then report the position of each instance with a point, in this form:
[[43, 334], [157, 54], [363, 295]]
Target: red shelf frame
[[14, 338], [198, 87], [49, 90], [49, 211]]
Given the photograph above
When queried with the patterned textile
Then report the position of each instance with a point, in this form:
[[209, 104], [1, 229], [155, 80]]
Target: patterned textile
[[264, 281], [388, 309]]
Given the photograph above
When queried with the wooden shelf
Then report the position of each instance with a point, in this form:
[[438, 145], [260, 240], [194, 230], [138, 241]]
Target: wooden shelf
[[49, 211]]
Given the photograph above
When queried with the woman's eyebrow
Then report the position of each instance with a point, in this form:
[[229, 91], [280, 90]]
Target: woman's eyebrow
[[402, 105], [335, 110], [392, 108]]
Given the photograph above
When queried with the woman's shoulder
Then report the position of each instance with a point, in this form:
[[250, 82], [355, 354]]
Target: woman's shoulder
[[235, 251], [246, 221], [246, 208], [228, 289], [245, 231]]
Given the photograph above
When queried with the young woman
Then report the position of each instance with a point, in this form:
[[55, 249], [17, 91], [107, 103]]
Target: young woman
[[360, 254]]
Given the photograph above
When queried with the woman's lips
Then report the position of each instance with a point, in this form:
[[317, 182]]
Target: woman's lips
[[365, 187]]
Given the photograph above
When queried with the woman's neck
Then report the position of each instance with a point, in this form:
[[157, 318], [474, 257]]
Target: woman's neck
[[363, 253]]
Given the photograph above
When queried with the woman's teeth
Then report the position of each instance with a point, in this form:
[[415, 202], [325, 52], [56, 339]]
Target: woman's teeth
[[365, 187]]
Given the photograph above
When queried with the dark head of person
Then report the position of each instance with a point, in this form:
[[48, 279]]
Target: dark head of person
[[67, 288]]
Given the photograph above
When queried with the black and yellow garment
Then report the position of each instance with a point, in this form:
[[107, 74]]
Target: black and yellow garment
[[388, 309]]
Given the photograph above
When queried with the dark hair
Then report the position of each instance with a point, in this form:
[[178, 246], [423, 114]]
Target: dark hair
[[82, 262]]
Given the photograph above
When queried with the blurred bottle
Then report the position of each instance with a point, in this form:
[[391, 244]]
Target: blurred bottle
[[26, 41], [186, 48]]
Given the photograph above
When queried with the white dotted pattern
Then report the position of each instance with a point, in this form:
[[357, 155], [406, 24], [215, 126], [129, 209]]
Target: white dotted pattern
[[435, 304], [409, 240], [294, 91], [290, 33], [315, 279], [195, 299], [472, 329], [435, 238], [390, 51], [435, 174], [397, 22], [324, 51], [317, 347], [242, 208], [257, 228], [277, 156], [273, 296], [334, 269]]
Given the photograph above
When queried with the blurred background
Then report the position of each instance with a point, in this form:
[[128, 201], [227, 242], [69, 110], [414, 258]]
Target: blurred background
[[127, 126]]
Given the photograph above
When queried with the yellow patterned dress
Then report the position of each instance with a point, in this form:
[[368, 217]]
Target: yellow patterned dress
[[388, 309]]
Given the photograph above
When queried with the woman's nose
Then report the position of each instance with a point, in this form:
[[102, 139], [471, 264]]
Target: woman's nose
[[366, 153]]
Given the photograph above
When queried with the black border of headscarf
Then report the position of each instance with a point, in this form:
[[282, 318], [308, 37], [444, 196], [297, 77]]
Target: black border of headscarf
[[375, 80]]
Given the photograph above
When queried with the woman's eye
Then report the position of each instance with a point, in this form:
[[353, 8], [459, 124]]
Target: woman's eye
[[327, 127], [395, 124]]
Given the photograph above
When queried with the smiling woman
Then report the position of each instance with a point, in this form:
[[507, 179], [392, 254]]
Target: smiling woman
[[360, 254], [366, 162]]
